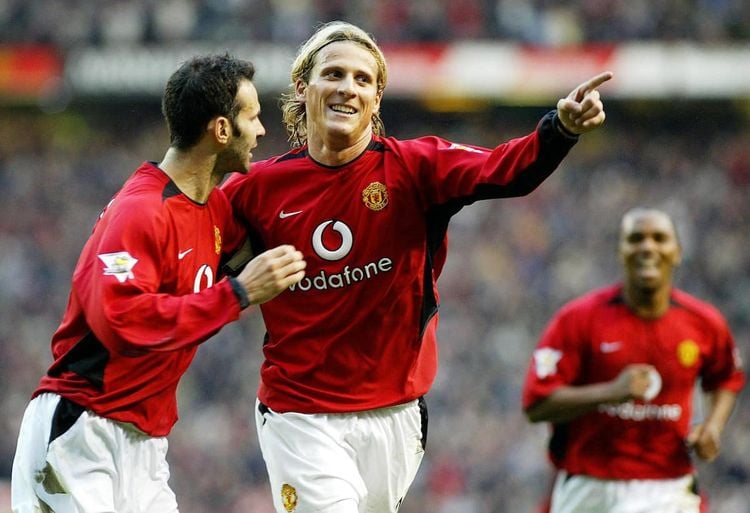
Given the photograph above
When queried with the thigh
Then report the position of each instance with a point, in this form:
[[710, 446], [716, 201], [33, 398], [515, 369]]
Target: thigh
[[658, 496], [33, 486], [390, 451], [106, 466], [342, 463], [311, 468], [55, 468], [143, 486], [579, 494]]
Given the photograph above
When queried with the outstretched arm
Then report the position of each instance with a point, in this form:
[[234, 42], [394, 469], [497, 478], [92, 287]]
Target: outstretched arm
[[582, 110]]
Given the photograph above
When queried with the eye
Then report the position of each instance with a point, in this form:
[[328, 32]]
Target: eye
[[635, 237]]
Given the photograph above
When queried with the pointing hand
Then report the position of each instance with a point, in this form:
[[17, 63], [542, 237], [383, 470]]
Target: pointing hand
[[582, 110]]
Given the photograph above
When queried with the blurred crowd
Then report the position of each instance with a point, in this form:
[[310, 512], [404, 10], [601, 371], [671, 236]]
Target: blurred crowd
[[544, 22], [512, 264]]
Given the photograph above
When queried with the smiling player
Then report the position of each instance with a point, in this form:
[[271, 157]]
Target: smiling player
[[614, 374], [351, 350]]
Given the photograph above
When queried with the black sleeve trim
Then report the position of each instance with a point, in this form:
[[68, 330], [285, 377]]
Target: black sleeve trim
[[240, 292], [561, 128]]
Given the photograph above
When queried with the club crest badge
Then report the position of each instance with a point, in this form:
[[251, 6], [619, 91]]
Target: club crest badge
[[687, 353], [375, 196], [217, 239], [288, 497]]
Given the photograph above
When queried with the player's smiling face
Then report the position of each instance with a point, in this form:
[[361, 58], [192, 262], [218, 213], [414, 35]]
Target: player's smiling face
[[341, 95], [649, 249]]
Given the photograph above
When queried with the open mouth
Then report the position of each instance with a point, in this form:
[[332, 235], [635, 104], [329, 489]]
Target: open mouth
[[647, 269], [343, 109]]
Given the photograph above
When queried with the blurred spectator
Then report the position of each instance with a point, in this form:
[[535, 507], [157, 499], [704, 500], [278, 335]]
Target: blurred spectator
[[544, 22]]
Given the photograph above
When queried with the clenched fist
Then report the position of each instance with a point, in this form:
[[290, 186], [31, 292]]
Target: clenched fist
[[271, 273]]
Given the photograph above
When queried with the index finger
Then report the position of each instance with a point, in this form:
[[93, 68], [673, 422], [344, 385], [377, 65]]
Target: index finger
[[595, 82]]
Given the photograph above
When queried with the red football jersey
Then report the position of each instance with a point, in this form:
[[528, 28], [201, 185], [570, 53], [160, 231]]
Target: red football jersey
[[590, 340], [143, 297], [358, 332]]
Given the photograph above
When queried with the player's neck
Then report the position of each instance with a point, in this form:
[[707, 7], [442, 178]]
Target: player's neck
[[335, 152], [191, 172], [648, 303]]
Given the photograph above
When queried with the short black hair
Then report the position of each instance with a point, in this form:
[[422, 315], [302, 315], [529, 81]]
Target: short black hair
[[201, 89]]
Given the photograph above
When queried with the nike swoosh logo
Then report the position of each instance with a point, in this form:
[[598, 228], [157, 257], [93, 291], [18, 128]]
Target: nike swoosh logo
[[183, 254], [284, 215], [610, 347]]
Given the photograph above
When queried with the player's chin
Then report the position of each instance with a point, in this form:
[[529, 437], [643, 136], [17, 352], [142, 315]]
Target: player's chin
[[245, 166]]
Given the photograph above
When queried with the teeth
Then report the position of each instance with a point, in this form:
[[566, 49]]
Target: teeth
[[343, 108]]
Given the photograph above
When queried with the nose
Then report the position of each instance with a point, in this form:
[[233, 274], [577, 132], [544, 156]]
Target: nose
[[346, 85], [261, 131], [647, 244]]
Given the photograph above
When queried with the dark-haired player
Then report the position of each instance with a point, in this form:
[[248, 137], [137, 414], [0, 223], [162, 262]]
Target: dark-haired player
[[145, 293]]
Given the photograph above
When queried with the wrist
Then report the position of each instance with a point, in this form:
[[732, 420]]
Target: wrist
[[562, 130], [240, 292]]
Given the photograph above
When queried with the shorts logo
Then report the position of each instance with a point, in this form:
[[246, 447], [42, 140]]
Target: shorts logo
[[375, 196], [687, 353], [288, 497]]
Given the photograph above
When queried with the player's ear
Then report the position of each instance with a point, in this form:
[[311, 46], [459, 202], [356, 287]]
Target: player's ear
[[220, 128], [378, 97], [300, 88], [678, 256]]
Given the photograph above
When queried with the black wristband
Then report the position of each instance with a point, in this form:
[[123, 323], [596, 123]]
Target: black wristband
[[561, 128], [240, 292]]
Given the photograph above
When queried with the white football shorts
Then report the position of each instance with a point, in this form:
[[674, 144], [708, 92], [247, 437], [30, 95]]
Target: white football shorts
[[69, 460], [361, 462], [584, 494]]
